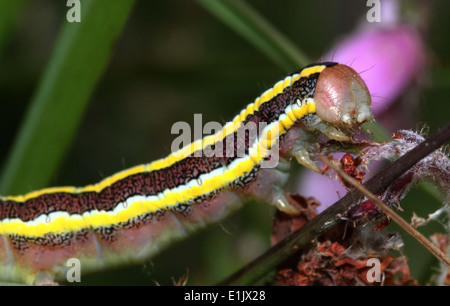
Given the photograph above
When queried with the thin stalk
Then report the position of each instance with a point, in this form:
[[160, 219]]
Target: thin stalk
[[331, 216], [390, 213], [248, 23], [81, 54], [9, 12]]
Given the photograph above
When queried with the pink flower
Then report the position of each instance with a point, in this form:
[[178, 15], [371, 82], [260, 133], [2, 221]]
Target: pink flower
[[388, 59]]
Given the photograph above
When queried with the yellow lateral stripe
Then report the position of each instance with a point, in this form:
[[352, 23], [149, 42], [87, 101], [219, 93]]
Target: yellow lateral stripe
[[311, 107], [311, 70], [250, 109], [90, 188], [242, 117], [278, 88], [287, 122], [96, 219], [188, 150], [287, 82], [169, 198], [116, 177], [182, 153], [295, 78], [212, 139], [34, 194]]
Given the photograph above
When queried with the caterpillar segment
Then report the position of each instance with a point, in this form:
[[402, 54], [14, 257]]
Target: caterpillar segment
[[134, 214]]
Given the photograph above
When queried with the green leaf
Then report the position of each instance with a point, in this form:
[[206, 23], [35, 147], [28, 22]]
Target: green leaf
[[80, 56], [253, 27], [9, 10]]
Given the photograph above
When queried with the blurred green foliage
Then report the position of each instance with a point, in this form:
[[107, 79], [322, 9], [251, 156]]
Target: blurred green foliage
[[79, 57], [174, 59]]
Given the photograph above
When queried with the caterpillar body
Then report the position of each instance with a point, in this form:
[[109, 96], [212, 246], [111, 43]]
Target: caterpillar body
[[132, 215]]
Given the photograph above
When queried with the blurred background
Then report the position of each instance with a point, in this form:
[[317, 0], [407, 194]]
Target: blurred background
[[175, 59]]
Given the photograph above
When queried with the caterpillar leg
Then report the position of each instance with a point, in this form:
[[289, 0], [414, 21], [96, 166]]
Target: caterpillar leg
[[302, 142], [44, 278], [268, 187], [332, 131], [302, 149]]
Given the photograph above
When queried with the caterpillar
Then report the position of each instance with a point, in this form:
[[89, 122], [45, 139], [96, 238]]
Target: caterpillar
[[132, 215]]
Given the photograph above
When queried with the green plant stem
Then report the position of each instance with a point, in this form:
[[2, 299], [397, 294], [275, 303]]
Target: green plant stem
[[80, 56], [247, 22], [9, 11]]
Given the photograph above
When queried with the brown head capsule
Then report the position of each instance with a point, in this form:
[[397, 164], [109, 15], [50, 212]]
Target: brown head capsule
[[342, 97]]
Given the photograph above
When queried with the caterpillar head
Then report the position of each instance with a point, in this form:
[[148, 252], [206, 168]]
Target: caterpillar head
[[342, 97]]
